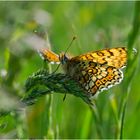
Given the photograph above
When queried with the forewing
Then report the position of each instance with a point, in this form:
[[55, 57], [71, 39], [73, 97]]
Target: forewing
[[115, 57], [49, 56]]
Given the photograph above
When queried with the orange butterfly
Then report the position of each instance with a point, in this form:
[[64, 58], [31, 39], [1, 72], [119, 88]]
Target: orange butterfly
[[94, 71]]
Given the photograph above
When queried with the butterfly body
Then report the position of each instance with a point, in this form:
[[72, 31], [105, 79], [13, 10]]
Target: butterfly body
[[94, 71]]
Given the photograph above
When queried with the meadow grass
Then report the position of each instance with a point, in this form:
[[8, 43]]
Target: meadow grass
[[36, 109]]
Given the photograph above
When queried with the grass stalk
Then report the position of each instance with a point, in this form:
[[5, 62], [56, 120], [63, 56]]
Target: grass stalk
[[129, 72]]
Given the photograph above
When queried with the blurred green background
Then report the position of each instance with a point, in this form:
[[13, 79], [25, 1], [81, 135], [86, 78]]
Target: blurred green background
[[26, 27]]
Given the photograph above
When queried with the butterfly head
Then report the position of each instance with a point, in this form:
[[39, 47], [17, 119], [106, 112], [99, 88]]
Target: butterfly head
[[63, 58]]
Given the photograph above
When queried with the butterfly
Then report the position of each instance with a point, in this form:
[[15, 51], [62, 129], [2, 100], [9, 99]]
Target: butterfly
[[94, 71]]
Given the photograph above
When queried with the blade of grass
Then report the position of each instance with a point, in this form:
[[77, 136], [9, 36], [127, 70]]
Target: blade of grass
[[86, 125], [131, 40], [39, 117]]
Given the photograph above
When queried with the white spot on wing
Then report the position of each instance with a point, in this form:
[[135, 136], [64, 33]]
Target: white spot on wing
[[54, 62]]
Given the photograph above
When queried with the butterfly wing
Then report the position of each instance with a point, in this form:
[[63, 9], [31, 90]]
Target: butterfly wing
[[99, 70], [94, 77], [94, 71], [115, 57], [49, 56]]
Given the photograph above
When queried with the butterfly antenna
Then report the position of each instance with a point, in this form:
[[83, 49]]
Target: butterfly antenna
[[70, 44], [66, 52]]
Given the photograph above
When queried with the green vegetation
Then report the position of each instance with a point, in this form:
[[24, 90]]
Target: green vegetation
[[31, 97]]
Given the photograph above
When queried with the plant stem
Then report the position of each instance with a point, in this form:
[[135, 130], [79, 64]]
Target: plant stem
[[131, 41]]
